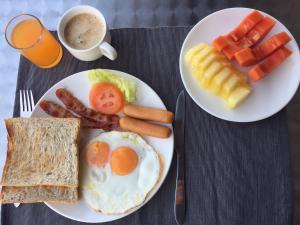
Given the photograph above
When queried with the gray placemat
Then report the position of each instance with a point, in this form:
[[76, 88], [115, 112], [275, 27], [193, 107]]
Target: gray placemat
[[236, 173]]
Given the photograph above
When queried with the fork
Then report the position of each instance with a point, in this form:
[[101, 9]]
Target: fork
[[26, 103], [26, 108]]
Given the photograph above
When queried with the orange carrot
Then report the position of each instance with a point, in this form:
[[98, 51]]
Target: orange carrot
[[246, 25], [245, 57], [221, 42], [271, 45], [259, 71], [258, 32]]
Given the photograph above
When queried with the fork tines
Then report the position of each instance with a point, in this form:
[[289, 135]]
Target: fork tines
[[26, 101]]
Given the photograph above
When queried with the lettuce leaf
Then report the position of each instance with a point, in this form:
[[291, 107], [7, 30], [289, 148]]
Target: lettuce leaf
[[127, 87]]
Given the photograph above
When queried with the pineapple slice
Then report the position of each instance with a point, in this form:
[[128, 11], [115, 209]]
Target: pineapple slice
[[192, 52], [207, 61], [243, 78], [202, 55], [213, 71], [197, 73], [211, 58], [237, 96], [229, 86], [219, 80], [210, 72]]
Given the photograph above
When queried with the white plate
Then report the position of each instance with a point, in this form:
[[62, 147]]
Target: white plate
[[269, 95], [79, 85]]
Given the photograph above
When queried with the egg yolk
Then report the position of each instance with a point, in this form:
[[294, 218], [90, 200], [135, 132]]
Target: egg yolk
[[97, 154], [123, 161]]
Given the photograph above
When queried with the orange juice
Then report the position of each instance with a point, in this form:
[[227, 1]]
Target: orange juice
[[36, 43]]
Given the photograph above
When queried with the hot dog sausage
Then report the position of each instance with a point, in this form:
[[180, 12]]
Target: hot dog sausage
[[144, 128], [148, 113]]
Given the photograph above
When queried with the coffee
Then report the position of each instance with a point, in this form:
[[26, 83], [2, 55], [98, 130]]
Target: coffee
[[83, 31]]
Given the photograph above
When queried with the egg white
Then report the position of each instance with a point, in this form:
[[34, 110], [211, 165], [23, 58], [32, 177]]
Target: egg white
[[109, 193]]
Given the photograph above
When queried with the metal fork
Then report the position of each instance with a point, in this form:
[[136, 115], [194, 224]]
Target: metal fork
[[26, 108], [26, 103]]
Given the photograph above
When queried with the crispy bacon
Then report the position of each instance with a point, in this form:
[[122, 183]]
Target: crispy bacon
[[74, 104], [56, 110]]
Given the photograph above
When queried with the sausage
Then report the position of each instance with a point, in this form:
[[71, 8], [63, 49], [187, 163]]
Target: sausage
[[148, 113], [56, 110], [144, 128]]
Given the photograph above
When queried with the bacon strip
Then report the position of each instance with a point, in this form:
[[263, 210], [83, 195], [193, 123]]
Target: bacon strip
[[56, 110], [74, 104]]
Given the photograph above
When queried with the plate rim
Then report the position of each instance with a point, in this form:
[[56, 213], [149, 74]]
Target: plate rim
[[162, 179], [211, 112]]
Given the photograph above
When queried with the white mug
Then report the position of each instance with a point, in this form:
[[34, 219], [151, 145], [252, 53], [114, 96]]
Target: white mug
[[103, 46]]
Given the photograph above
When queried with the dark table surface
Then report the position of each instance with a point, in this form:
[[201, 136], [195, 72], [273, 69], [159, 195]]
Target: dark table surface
[[140, 13], [236, 173], [145, 13]]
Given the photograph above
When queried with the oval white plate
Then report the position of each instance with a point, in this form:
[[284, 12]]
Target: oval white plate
[[79, 85], [269, 95]]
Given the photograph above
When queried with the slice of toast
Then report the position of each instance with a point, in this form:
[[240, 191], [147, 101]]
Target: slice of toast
[[38, 194], [42, 151]]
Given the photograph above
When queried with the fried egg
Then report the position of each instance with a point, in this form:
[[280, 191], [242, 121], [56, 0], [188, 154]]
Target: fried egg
[[118, 169]]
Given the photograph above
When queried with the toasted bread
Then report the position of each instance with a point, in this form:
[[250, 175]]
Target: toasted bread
[[38, 194], [42, 151]]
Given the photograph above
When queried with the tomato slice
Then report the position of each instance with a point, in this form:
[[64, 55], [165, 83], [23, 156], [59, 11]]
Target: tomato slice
[[106, 98]]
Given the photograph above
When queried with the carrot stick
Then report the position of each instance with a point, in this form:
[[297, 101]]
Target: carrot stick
[[259, 71], [246, 25]]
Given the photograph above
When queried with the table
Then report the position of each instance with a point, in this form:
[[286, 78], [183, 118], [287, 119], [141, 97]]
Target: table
[[237, 173]]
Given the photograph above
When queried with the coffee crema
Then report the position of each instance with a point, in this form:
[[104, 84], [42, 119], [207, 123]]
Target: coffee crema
[[83, 31]]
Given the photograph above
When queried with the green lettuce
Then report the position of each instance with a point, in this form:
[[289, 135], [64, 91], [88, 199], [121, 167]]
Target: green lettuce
[[127, 87]]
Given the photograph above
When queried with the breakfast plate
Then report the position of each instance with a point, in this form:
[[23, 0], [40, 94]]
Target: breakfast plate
[[269, 95], [80, 85]]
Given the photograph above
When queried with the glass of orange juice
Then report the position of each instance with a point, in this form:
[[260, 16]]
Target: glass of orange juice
[[27, 34]]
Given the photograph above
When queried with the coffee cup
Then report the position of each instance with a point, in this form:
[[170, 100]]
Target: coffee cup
[[84, 33]]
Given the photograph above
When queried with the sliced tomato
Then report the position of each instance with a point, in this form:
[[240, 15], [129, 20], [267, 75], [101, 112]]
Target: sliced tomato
[[106, 98]]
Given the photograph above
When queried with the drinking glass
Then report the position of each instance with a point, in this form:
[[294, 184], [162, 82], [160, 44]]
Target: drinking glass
[[27, 34]]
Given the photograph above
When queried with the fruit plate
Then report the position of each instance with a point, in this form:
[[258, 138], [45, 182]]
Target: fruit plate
[[79, 85], [268, 96]]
